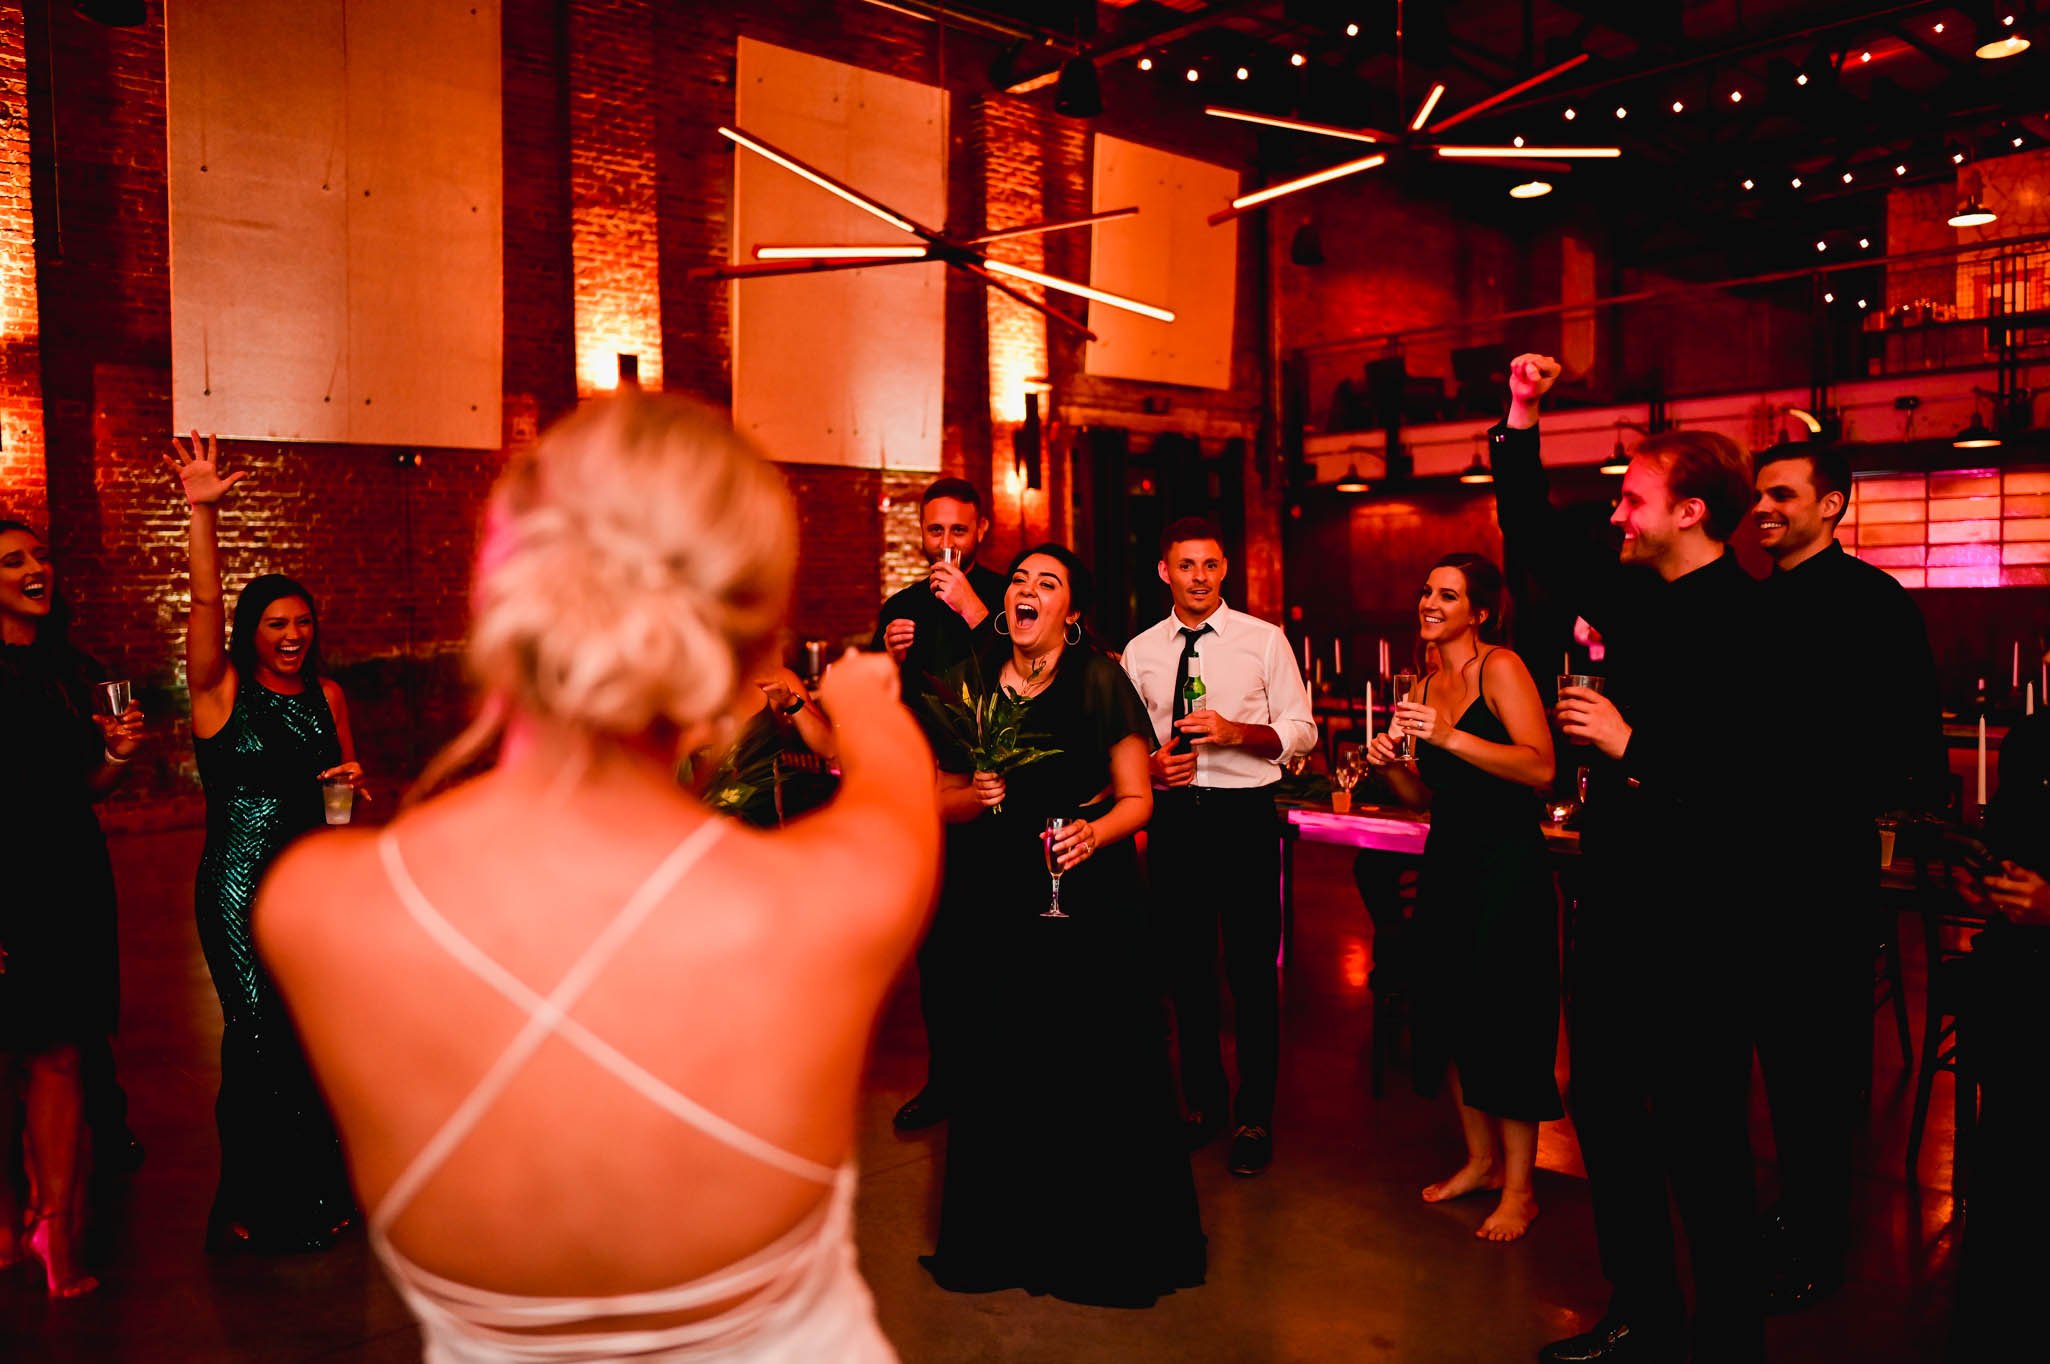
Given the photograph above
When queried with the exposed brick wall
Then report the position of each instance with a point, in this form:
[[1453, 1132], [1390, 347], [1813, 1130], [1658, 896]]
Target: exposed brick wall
[[22, 486], [614, 232], [616, 184]]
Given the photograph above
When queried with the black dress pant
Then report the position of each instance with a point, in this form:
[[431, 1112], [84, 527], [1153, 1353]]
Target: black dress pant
[[1215, 860], [1814, 1038], [2005, 1016], [1661, 1058]]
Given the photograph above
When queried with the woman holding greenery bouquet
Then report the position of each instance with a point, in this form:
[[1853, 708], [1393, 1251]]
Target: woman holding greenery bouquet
[[1065, 1170]]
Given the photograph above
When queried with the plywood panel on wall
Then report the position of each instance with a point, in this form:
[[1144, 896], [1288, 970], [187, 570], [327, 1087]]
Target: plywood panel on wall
[[1169, 255], [335, 191], [841, 368]]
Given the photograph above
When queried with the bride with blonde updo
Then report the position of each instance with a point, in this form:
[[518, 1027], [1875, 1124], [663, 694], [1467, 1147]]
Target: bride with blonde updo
[[594, 1051]]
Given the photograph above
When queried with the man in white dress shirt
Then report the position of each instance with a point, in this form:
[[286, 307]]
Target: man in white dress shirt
[[1212, 846]]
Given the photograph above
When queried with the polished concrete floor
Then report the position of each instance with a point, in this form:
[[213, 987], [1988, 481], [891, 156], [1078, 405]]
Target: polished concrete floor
[[1330, 1256]]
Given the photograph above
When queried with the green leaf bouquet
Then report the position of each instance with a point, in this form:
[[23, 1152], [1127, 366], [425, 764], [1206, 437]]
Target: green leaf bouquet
[[987, 724]]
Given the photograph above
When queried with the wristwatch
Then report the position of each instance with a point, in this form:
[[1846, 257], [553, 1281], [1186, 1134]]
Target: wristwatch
[[797, 704]]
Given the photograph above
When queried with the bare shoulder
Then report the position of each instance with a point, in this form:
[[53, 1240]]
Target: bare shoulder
[[306, 895], [332, 690], [866, 876], [1503, 662]]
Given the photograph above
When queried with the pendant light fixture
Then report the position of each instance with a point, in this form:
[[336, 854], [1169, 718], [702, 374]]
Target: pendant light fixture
[[1972, 213], [1977, 436], [1619, 461], [1477, 472], [1351, 481]]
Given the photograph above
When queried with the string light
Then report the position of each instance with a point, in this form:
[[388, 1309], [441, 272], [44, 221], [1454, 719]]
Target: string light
[[1801, 79], [1146, 63], [1570, 115], [1244, 74], [1847, 177], [1352, 30], [1957, 158], [1939, 27], [1900, 170], [1749, 184], [1192, 75], [1736, 96], [2017, 142], [1621, 112], [1861, 303], [1296, 59], [1516, 141], [1678, 107], [1829, 298], [1797, 182], [1822, 246], [1865, 56], [1864, 243]]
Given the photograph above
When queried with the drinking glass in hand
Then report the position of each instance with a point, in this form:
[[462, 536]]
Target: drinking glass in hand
[[113, 697], [1053, 866], [950, 556], [1405, 745], [337, 799], [1587, 680]]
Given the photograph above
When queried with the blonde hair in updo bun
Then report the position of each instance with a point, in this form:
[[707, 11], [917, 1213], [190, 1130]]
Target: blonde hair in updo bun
[[636, 563]]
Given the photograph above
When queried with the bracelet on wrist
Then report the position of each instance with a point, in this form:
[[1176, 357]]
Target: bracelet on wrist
[[113, 759], [797, 704]]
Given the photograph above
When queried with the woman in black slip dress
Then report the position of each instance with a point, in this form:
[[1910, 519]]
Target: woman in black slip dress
[[1486, 934], [59, 970], [268, 729]]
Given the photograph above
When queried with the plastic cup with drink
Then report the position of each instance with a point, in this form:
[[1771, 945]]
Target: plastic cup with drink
[[1587, 680], [114, 697], [337, 799]]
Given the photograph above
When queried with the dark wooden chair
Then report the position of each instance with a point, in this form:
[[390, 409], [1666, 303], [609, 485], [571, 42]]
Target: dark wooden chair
[[1949, 923]]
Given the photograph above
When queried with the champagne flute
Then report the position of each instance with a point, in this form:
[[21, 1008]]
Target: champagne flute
[[1405, 747], [1053, 866]]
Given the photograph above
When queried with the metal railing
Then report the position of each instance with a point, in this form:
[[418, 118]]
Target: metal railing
[[1960, 308]]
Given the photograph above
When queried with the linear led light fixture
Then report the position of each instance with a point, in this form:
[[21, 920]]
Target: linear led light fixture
[[1471, 153], [839, 252], [1513, 91], [1068, 286], [1261, 196], [1296, 125], [821, 179], [1423, 115]]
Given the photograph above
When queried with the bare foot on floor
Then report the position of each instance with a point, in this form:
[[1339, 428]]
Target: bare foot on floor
[[1470, 1178], [1510, 1219]]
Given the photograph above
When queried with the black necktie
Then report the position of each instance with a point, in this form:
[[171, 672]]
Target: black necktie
[[1180, 742]]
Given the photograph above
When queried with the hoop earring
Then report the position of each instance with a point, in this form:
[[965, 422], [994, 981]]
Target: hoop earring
[[999, 626], [1076, 637]]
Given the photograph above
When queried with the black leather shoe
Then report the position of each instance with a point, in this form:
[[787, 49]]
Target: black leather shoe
[[1615, 1341], [1199, 1130], [924, 1109], [1252, 1151]]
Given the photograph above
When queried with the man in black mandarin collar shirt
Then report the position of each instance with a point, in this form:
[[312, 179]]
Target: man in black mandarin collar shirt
[[1851, 655], [929, 628], [1660, 1051]]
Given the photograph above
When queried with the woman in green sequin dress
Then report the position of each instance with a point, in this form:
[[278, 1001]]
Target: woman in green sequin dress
[[267, 729]]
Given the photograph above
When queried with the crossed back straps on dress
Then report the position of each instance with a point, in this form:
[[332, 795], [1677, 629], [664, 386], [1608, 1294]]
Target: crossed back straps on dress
[[549, 1015]]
